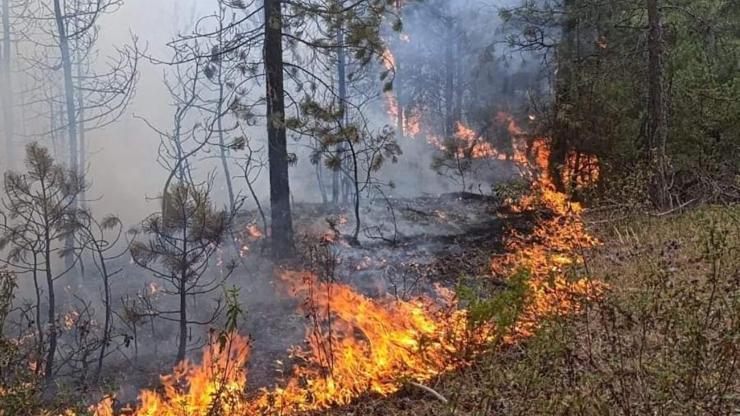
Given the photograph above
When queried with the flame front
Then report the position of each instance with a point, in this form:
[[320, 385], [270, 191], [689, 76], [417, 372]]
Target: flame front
[[556, 243], [216, 386], [370, 345], [357, 344]]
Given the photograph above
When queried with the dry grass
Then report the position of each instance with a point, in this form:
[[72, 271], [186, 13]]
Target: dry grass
[[665, 340]]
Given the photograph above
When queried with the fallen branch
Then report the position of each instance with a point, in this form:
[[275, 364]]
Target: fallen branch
[[661, 214], [431, 391], [606, 221], [418, 212]]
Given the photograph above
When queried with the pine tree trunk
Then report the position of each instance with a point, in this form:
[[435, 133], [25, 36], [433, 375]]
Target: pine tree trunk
[[183, 322], [51, 308], [658, 127], [80, 107], [69, 98], [69, 89], [449, 85], [397, 87], [220, 115], [6, 87], [108, 316], [342, 87], [81, 129], [459, 91], [564, 96], [397, 91], [282, 222]]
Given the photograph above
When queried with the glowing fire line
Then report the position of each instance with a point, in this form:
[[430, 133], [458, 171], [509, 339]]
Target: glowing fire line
[[377, 343]]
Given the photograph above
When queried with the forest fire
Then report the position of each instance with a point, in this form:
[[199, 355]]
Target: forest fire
[[467, 144], [368, 207], [252, 233], [409, 120], [399, 340], [475, 145], [389, 62], [553, 246], [216, 385], [581, 170], [357, 345]]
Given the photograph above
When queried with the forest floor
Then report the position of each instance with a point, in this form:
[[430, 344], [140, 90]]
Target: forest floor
[[404, 252], [665, 339]]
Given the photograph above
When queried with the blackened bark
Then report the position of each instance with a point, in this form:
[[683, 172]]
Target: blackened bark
[[50, 355], [567, 52], [51, 308], [282, 222], [356, 176], [183, 321], [108, 312]]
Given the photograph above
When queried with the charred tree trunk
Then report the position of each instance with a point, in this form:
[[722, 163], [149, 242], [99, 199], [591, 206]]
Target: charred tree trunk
[[320, 181], [51, 353], [80, 55], [69, 89], [658, 127], [356, 184], [183, 322], [397, 86], [564, 94], [37, 312], [459, 91], [50, 356], [342, 87], [81, 132], [282, 222], [220, 115], [108, 313], [69, 96], [6, 86], [449, 86], [224, 159]]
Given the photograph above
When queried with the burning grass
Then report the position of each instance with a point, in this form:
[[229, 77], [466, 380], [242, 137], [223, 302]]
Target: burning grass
[[357, 345], [661, 340]]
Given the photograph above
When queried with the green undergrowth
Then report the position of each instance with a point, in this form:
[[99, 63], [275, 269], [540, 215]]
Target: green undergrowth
[[663, 340]]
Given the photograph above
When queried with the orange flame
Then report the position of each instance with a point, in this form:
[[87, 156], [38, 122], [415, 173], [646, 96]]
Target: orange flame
[[555, 243], [197, 390], [389, 62], [359, 345], [69, 320], [254, 232], [475, 145], [371, 345]]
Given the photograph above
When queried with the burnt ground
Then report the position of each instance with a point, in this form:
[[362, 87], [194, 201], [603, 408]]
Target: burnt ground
[[438, 240]]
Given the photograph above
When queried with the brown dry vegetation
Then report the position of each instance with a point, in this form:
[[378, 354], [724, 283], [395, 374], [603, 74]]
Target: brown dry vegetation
[[665, 339]]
